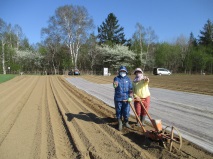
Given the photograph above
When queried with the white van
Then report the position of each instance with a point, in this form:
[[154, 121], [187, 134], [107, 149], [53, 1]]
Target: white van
[[161, 71]]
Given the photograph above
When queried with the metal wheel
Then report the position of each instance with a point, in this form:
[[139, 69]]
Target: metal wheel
[[172, 138]]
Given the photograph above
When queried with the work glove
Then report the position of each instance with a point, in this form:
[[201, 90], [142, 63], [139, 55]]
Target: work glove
[[115, 84], [129, 99]]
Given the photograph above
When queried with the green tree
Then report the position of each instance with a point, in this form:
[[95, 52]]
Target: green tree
[[110, 32], [206, 41], [168, 56], [192, 47], [206, 37], [192, 41]]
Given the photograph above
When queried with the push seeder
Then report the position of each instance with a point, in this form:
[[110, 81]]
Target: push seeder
[[170, 136]]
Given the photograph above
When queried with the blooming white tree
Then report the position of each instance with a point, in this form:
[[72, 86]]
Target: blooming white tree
[[117, 55], [30, 56]]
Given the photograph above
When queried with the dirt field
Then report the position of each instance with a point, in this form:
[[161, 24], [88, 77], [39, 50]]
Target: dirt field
[[189, 83], [46, 117]]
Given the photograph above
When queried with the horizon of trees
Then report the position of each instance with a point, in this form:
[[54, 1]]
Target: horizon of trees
[[69, 42]]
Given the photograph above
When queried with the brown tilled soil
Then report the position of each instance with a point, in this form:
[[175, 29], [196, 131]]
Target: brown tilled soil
[[202, 84], [46, 117]]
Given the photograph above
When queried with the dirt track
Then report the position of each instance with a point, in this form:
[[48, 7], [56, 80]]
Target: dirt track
[[45, 117]]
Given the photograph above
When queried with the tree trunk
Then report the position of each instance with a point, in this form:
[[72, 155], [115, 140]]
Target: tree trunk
[[147, 51], [141, 46], [53, 64], [75, 63], [3, 59]]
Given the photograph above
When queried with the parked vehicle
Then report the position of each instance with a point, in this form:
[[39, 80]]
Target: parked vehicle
[[76, 72], [70, 73], [161, 71]]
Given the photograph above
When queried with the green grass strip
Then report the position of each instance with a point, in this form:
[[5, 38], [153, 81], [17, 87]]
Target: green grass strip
[[4, 78]]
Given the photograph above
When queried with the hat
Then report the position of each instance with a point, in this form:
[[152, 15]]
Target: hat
[[138, 70], [123, 68]]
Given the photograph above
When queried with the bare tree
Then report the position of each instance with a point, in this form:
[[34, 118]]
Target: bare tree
[[19, 34], [3, 37], [144, 38], [52, 40], [139, 34], [182, 42], [9, 35], [150, 37], [92, 52], [74, 23], [52, 47]]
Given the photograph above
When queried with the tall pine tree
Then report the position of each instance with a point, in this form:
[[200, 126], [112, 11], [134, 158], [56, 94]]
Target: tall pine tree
[[192, 40], [206, 46], [206, 37], [110, 32]]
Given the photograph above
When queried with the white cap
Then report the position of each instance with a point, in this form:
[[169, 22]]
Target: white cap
[[138, 70]]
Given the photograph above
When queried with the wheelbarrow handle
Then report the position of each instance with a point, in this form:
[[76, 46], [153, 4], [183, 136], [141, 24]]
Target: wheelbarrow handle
[[145, 110], [152, 120], [133, 109]]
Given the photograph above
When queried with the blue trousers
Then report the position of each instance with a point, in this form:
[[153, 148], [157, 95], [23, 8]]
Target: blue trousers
[[122, 110]]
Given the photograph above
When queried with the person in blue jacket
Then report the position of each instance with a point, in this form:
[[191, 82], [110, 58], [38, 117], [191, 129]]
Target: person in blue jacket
[[122, 97]]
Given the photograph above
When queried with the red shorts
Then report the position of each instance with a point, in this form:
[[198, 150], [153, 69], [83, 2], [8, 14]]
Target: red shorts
[[139, 109]]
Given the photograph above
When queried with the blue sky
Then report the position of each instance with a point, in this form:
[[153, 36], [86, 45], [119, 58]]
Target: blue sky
[[168, 18]]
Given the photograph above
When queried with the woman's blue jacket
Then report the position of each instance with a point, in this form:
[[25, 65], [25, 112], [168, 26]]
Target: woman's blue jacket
[[124, 88]]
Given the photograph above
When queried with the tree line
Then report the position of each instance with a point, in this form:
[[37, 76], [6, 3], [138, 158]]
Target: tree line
[[69, 42]]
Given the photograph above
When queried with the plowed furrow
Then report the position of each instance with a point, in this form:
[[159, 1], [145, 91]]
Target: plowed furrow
[[51, 152], [11, 83], [83, 145], [47, 117], [21, 125], [43, 144], [37, 141], [75, 140], [63, 147], [5, 97], [8, 118]]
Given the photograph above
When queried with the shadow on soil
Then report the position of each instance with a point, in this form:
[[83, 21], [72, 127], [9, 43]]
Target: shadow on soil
[[133, 134], [90, 117]]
